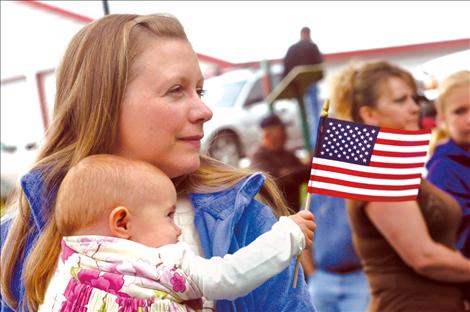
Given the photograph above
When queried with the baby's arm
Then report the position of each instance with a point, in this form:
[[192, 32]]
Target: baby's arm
[[235, 275]]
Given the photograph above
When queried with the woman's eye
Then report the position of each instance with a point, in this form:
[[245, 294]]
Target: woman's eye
[[401, 99], [176, 90], [201, 92]]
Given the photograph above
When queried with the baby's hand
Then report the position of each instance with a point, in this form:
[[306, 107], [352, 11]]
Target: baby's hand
[[306, 221]]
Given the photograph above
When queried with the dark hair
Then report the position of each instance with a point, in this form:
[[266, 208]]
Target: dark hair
[[271, 121]]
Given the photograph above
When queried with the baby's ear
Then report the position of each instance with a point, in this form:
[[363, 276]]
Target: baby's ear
[[118, 222]]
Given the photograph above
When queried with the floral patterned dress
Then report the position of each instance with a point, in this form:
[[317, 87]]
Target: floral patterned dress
[[98, 273]]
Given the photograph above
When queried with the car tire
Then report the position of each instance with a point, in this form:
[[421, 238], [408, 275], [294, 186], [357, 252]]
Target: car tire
[[225, 146]]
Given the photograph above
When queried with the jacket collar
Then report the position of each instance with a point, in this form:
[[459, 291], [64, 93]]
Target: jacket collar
[[216, 214], [32, 185], [216, 205]]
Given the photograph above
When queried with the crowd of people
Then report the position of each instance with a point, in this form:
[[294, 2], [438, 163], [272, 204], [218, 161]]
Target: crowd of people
[[121, 212]]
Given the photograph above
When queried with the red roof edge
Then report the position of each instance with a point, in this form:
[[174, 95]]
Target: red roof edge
[[56, 10], [86, 19], [216, 61], [329, 56], [400, 49]]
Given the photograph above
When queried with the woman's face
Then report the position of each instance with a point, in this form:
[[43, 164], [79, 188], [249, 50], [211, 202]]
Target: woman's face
[[162, 114], [395, 107], [456, 116]]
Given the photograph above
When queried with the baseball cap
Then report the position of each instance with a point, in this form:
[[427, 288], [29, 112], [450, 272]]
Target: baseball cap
[[270, 121]]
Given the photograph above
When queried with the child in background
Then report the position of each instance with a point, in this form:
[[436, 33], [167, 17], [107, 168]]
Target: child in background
[[120, 252], [449, 166]]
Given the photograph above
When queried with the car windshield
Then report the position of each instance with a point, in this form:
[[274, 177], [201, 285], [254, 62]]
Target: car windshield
[[222, 95]]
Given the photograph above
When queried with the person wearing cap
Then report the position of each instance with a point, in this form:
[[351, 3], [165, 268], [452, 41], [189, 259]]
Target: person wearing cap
[[272, 158]]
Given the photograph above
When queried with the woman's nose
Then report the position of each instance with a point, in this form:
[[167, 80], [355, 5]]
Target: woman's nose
[[414, 106], [200, 112]]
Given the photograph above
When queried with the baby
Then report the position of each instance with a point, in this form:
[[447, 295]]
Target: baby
[[120, 249]]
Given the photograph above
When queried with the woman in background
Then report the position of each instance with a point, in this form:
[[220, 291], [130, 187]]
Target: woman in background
[[407, 248]]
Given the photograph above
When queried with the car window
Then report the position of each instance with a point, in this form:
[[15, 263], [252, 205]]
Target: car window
[[223, 95], [256, 94]]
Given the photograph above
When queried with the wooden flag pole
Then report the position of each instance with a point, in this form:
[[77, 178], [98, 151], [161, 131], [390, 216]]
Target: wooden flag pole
[[324, 113]]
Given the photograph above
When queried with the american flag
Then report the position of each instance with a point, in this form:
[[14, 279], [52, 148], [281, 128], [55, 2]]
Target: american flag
[[366, 162]]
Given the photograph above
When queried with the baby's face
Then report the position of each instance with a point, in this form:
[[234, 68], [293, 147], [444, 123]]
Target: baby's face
[[152, 223]]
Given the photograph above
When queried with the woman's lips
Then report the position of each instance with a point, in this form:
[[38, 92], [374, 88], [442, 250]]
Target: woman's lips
[[194, 141]]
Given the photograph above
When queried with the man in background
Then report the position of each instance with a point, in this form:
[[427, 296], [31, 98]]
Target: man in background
[[306, 52], [283, 165]]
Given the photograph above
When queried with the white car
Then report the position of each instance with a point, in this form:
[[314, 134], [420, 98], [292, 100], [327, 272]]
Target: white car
[[431, 74], [16, 160], [237, 101]]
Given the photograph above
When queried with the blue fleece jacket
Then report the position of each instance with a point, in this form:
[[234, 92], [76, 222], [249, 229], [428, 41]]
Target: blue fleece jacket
[[449, 170], [226, 221]]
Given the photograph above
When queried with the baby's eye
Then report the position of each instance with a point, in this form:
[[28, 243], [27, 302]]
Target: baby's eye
[[460, 111]]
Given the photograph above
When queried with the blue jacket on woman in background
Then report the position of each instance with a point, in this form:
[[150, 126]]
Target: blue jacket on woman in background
[[449, 170], [226, 221]]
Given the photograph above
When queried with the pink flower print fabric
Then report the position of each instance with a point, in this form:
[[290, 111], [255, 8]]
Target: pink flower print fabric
[[178, 282], [113, 274]]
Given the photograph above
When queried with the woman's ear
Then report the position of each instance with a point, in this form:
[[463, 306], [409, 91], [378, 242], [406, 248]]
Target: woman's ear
[[119, 222], [368, 115]]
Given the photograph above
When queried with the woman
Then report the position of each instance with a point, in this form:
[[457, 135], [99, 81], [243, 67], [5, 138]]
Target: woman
[[406, 247], [449, 167], [131, 85]]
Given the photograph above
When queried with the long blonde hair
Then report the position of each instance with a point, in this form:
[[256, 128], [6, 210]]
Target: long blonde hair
[[91, 82], [359, 84], [454, 81]]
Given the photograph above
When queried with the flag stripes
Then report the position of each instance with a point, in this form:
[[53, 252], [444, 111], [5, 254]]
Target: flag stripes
[[375, 164]]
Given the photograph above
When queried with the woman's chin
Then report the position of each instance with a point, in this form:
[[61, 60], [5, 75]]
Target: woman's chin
[[183, 166]]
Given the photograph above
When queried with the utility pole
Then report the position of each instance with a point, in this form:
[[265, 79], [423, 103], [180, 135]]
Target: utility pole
[[106, 7]]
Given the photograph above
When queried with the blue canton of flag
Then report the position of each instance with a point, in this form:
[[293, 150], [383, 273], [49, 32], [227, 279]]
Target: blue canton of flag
[[347, 141]]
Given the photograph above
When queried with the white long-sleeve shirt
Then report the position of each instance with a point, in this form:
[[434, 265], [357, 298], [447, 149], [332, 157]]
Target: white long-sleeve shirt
[[106, 268]]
